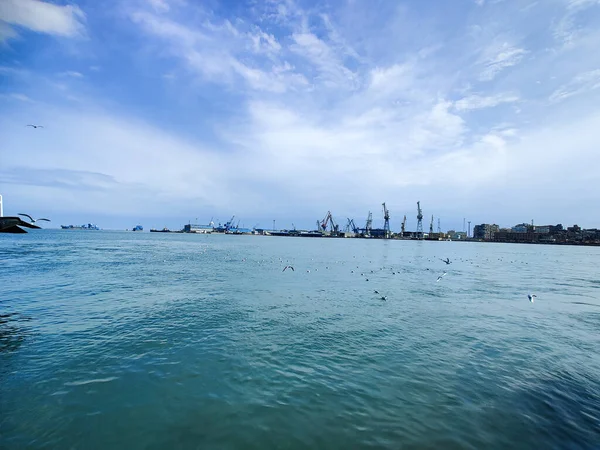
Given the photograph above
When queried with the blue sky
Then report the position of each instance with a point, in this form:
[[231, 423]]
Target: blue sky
[[164, 111]]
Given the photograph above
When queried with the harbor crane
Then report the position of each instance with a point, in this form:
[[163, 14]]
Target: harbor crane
[[369, 224], [386, 223], [404, 225], [419, 221], [439, 227], [350, 226], [431, 225], [328, 220]]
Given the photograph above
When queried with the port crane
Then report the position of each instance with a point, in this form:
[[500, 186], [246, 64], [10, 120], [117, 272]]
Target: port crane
[[229, 224], [419, 221], [350, 226], [431, 225], [328, 220], [386, 222], [404, 225], [369, 224]]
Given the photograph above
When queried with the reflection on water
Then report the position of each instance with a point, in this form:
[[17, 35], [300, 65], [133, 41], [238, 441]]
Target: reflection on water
[[12, 331]]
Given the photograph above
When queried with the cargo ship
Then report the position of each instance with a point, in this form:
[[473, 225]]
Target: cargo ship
[[138, 228], [89, 226]]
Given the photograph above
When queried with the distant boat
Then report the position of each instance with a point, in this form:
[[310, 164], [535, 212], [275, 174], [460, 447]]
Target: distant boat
[[89, 226], [138, 228], [164, 230]]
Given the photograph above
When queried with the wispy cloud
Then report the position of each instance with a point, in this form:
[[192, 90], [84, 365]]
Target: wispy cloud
[[71, 73], [329, 70], [499, 57], [42, 17], [17, 96], [582, 83], [212, 53], [474, 102]]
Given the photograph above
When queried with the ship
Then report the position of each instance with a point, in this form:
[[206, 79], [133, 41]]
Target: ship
[[164, 230], [138, 228], [89, 226]]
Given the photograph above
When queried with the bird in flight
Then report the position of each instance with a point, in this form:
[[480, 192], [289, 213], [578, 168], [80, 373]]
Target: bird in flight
[[447, 260], [288, 267], [441, 276], [35, 126], [531, 297], [32, 219]]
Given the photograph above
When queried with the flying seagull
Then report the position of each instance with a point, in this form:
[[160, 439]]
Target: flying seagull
[[441, 276], [531, 297], [288, 267], [32, 219], [13, 224], [35, 126], [447, 260]]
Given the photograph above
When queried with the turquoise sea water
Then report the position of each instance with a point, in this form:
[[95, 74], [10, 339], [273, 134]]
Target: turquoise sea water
[[143, 340]]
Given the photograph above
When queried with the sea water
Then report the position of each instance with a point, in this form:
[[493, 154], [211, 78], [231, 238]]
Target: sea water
[[122, 340]]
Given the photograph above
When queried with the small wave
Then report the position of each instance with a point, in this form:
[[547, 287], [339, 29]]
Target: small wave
[[584, 303], [96, 380]]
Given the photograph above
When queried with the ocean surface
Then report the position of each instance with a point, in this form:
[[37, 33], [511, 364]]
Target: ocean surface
[[122, 340]]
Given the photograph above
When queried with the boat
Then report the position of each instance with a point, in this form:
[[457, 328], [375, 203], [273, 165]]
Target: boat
[[89, 226], [138, 228], [164, 230]]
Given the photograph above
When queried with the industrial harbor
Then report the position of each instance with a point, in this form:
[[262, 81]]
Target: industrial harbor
[[328, 227]]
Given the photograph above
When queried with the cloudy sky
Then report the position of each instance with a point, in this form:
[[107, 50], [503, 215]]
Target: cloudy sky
[[164, 111]]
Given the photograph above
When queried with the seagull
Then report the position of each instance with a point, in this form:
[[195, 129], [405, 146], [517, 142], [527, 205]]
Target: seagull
[[441, 276], [384, 298], [377, 292], [35, 126], [531, 297], [447, 260], [32, 219], [288, 267]]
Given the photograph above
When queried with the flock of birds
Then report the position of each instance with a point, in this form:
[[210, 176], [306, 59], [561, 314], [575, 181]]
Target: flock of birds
[[447, 261]]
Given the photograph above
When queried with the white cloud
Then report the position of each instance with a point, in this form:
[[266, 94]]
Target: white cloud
[[499, 57], [330, 71], [42, 17], [71, 73], [212, 53], [474, 102], [17, 96], [581, 84], [6, 32], [569, 29], [160, 5]]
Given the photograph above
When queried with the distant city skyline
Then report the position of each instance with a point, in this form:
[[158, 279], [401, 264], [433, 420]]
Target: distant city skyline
[[162, 111]]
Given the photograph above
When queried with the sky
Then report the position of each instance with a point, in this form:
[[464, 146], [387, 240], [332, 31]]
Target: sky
[[162, 112]]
